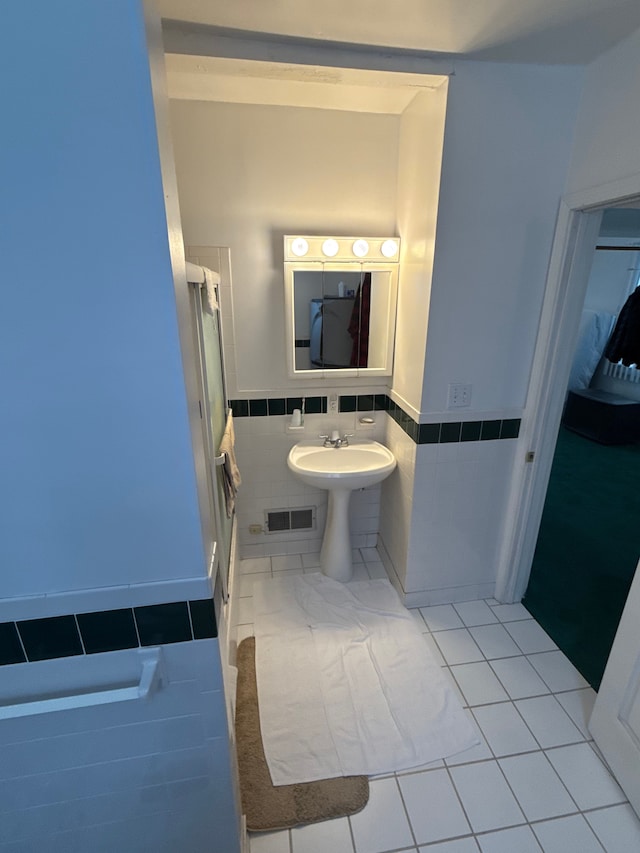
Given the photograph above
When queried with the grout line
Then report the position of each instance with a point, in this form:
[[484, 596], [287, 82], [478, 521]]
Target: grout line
[[406, 810]]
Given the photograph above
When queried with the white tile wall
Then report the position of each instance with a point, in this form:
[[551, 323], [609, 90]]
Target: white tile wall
[[104, 598], [438, 517], [262, 446], [142, 775]]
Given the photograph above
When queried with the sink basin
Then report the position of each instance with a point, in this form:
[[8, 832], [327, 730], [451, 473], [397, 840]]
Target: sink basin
[[340, 470], [357, 466]]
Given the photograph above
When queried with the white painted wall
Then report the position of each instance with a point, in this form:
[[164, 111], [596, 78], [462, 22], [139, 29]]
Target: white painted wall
[[613, 276], [420, 160], [606, 158], [507, 142], [608, 126], [98, 477], [506, 152], [247, 175]]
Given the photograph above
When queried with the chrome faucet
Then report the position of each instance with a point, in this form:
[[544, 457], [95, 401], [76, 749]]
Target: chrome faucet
[[334, 439]]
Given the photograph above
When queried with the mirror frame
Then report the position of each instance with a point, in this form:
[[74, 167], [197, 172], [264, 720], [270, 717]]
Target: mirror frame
[[365, 265]]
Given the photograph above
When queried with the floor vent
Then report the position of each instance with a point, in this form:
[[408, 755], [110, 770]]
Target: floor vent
[[277, 520]]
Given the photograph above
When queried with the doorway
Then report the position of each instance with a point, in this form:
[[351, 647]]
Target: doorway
[[587, 546], [577, 235]]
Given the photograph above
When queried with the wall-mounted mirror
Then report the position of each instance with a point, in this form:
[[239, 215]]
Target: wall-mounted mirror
[[340, 313]]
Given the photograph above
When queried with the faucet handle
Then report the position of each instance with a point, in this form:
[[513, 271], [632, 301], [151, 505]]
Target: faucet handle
[[346, 437], [323, 436]]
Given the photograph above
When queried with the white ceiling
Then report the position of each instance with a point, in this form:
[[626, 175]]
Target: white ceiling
[[207, 78], [538, 31]]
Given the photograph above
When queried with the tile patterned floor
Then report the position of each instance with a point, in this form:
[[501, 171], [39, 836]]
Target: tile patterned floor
[[536, 781]]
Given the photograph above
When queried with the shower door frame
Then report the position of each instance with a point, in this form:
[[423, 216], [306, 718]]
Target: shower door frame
[[221, 562]]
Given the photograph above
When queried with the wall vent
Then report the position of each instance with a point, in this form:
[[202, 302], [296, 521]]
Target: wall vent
[[278, 520]]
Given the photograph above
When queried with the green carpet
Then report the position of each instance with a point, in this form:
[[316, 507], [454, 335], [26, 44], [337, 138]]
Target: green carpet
[[587, 549]]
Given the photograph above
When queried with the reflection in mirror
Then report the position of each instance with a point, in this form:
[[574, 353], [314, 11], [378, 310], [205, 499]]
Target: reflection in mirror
[[340, 315], [340, 319]]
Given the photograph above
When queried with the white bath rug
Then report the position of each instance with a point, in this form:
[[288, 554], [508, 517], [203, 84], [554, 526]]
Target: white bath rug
[[346, 683]]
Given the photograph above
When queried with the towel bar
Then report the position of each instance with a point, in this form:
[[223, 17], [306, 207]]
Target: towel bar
[[220, 460], [151, 678]]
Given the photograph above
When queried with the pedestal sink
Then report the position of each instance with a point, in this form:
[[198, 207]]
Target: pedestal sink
[[340, 470]]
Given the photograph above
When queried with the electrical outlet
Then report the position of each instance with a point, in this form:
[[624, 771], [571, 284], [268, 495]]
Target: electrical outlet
[[459, 396], [333, 403], [255, 528]]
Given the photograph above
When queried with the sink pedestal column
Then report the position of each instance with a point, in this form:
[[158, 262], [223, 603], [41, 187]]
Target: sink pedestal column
[[335, 554]]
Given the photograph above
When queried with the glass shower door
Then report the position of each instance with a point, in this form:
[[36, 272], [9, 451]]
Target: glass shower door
[[214, 415]]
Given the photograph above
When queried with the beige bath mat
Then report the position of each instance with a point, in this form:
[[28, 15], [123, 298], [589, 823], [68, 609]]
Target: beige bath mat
[[265, 806]]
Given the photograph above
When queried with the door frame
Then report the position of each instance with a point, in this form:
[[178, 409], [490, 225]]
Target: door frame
[[572, 253]]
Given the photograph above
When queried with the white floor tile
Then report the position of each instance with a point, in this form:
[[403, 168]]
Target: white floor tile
[[486, 797], [244, 587], [457, 646], [530, 636], [320, 837], [282, 562], [441, 617], [511, 612], [417, 618], [557, 671], [253, 565], [478, 683], [242, 632], [244, 611], [504, 729], [494, 641], [579, 704], [360, 572], [519, 678], [460, 845], [369, 555], [519, 839], [382, 824], [618, 828], [376, 570], [537, 787], [548, 721], [475, 613], [270, 842], [480, 752], [279, 573], [567, 835], [432, 805], [433, 648], [588, 780], [454, 685]]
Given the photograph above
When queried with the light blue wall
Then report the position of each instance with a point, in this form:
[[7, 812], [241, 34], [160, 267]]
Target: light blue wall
[[97, 485]]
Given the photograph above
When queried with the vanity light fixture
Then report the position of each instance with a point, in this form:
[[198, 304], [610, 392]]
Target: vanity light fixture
[[330, 248], [389, 248], [299, 247], [360, 248]]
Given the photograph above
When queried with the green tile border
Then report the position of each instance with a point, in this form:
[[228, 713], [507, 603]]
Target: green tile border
[[447, 432]]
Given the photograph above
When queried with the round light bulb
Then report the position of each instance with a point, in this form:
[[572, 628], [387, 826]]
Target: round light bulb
[[330, 248], [299, 247], [389, 248], [360, 248]]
